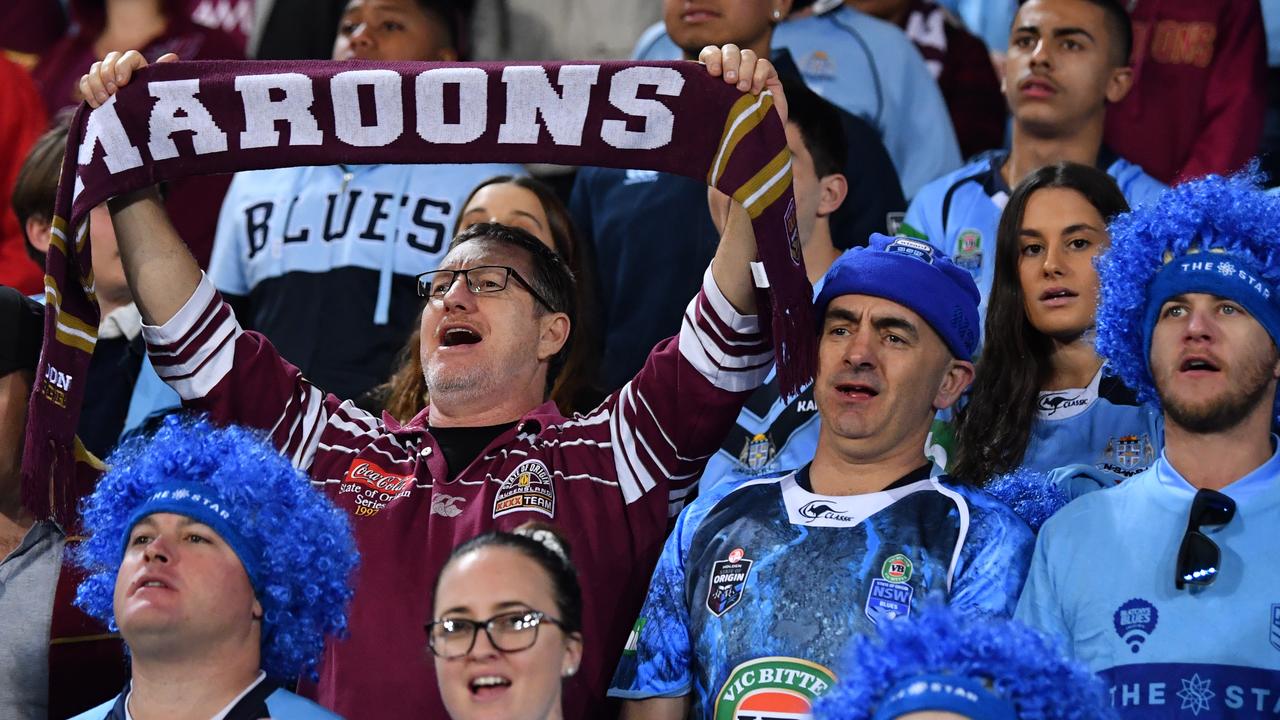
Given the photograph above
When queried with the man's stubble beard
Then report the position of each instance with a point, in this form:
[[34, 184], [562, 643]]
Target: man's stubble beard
[[1231, 409]]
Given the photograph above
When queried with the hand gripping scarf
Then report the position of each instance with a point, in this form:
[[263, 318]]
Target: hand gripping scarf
[[196, 118]]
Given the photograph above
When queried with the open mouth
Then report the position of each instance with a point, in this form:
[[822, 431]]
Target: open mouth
[[486, 686], [856, 391], [455, 335], [1198, 364], [150, 582]]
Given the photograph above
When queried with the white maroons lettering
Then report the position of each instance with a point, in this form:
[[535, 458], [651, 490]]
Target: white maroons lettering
[[388, 107], [293, 107], [104, 129], [473, 104], [450, 106], [659, 121], [530, 96], [178, 110]]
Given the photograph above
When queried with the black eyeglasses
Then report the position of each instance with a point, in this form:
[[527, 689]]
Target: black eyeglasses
[[509, 632], [479, 280], [1199, 557]]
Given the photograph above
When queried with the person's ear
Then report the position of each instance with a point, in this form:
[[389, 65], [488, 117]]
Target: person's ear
[[555, 333], [1119, 84], [257, 609], [834, 189], [955, 380], [572, 655], [39, 232]]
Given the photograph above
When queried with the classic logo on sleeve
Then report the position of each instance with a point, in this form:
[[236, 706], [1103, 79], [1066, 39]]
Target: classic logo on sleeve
[[373, 486], [772, 688], [728, 580], [527, 488], [1135, 620]]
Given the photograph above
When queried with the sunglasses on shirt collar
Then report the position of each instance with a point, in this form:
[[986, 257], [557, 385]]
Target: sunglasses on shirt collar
[[1199, 558]]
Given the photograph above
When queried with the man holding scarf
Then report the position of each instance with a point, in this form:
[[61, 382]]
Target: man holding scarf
[[489, 452]]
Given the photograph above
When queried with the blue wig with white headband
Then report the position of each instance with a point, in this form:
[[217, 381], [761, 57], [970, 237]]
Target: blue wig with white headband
[[295, 546], [980, 667], [1216, 235]]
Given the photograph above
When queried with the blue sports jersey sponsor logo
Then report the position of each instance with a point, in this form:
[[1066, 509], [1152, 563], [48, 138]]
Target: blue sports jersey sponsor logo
[[1188, 690], [888, 600], [1134, 621]]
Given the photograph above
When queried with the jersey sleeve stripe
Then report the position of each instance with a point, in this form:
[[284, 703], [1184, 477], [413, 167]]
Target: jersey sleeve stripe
[[962, 506], [194, 378]]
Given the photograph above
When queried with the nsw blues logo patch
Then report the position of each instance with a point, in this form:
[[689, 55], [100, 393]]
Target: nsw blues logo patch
[[888, 600], [728, 580]]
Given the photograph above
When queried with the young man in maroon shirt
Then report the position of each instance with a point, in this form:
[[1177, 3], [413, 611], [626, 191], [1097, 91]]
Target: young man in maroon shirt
[[489, 452]]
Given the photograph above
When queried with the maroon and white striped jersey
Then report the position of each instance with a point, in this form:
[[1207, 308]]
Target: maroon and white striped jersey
[[611, 480]]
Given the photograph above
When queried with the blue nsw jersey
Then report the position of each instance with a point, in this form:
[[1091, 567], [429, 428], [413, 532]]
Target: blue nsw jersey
[[869, 68], [760, 587], [1103, 579], [958, 213]]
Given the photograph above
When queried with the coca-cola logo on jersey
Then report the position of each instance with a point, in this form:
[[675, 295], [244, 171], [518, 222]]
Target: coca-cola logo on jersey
[[372, 476]]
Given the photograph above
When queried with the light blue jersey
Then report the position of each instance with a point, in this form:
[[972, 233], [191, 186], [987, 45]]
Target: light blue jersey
[[1095, 437], [990, 20], [959, 213], [868, 67], [1103, 579], [760, 587]]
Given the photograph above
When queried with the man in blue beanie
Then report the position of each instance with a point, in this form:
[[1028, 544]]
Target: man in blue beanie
[[1166, 585], [221, 568], [762, 584]]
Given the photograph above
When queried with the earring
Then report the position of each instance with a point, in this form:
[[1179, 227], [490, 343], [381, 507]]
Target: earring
[[777, 15], [569, 672]]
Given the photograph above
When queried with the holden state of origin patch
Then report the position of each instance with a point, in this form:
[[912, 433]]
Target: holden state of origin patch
[[777, 688]]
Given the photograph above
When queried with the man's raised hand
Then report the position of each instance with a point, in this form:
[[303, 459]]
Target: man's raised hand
[[742, 69], [113, 72]]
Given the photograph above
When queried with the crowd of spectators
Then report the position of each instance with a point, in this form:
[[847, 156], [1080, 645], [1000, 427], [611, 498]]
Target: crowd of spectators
[[534, 479]]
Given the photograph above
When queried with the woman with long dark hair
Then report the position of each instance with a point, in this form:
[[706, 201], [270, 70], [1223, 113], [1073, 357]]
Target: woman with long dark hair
[[1042, 398]]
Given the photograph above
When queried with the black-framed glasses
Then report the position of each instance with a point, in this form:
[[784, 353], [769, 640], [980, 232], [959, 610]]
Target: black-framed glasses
[[1199, 558], [482, 279], [509, 632]]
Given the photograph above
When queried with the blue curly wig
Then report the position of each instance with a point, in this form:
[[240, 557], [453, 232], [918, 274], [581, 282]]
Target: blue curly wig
[[305, 552], [1017, 663], [1033, 495], [1229, 215]]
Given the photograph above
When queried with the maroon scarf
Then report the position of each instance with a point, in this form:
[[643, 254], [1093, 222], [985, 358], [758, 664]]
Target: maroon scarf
[[197, 118]]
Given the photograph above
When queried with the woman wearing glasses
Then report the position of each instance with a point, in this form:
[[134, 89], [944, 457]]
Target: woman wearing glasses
[[507, 625], [1042, 398]]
